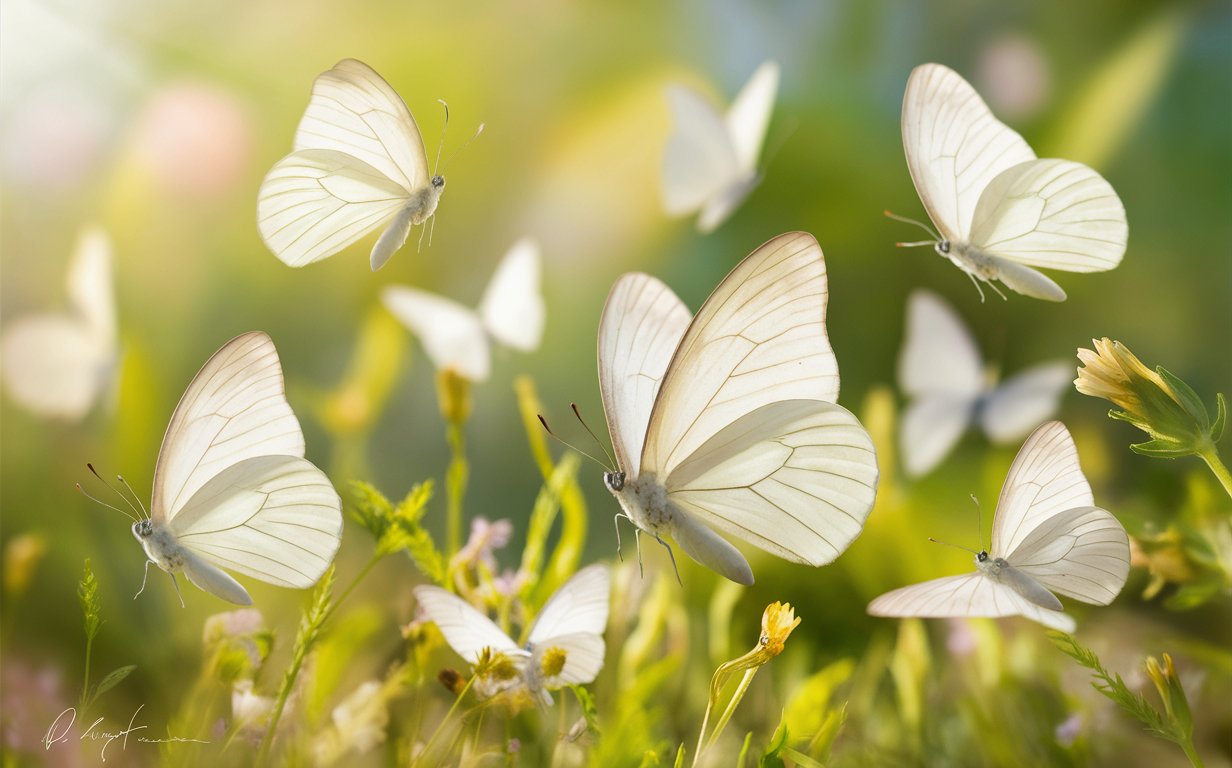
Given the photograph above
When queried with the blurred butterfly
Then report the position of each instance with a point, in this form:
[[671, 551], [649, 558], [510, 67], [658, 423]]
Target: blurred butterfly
[[58, 364], [456, 337], [710, 161], [232, 488], [941, 371], [1047, 536], [1000, 211], [571, 622], [729, 420], [359, 164]]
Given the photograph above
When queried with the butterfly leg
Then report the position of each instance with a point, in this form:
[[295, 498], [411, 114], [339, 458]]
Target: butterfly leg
[[993, 286], [177, 589], [672, 555], [143, 579], [975, 281]]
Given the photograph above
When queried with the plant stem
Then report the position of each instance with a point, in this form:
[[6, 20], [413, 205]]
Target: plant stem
[[1211, 457], [455, 485], [452, 708], [363, 572], [1191, 753], [85, 681], [743, 686]]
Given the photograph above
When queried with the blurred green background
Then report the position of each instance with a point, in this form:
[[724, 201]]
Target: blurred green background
[[159, 120]]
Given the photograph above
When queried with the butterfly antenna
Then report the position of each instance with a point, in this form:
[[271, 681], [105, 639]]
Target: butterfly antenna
[[571, 446], [591, 432], [979, 517], [936, 237], [955, 546], [133, 515], [441, 145], [457, 151], [133, 493]]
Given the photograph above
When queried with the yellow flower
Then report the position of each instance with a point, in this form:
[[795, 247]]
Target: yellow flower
[[1170, 690], [777, 623], [1156, 402], [453, 392]]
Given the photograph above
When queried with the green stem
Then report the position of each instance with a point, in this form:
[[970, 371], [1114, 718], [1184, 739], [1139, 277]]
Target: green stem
[[1211, 457], [743, 686], [455, 485], [85, 683], [1190, 752], [452, 708], [363, 572]]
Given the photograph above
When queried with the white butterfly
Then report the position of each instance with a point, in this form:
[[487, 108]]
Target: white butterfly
[[941, 371], [1001, 211], [729, 420], [710, 161], [572, 621], [455, 337], [359, 164], [232, 487], [1048, 536], [57, 364]]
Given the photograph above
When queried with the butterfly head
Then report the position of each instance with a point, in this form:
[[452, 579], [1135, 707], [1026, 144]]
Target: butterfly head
[[438, 182], [981, 556], [942, 247], [142, 529], [615, 481]]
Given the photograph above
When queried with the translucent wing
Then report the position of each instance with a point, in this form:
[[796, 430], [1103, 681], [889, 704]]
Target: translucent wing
[[315, 202], [939, 355], [353, 110], [1023, 401], [512, 306], [749, 116], [573, 621], [583, 660], [760, 338], [53, 365], [796, 478], [699, 159], [939, 367], [954, 146], [234, 409], [972, 595], [91, 287], [275, 518], [579, 606], [1044, 480], [643, 322], [465, 629], [931, 426], [451, 334], [1082, 553], [1056, 214]]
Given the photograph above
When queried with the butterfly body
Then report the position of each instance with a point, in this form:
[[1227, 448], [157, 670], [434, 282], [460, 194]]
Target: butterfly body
[[422, 205], [999, 570], [160, 546]]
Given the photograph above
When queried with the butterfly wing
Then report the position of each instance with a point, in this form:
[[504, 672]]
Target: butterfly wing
[[1051, 213], [744, 432], [451, 334], [796, 478], [354, 111], [1044, 480], [52, 365], [573, 621], [91, 288], [749, 116], [699, 159], [315, 202], [1082, 553], [939, 367], [1023, 401], [512, 305], [275, 518], [954, 146], [466, 630], [968, 595], [642, 324], [234, 409]]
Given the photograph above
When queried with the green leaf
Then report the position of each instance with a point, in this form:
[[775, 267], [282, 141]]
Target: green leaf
[[590, 712], [1162, 449], [111, 680], [1221, 418]]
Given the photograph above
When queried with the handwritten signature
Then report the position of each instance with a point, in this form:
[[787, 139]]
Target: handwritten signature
[[58, 732]]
